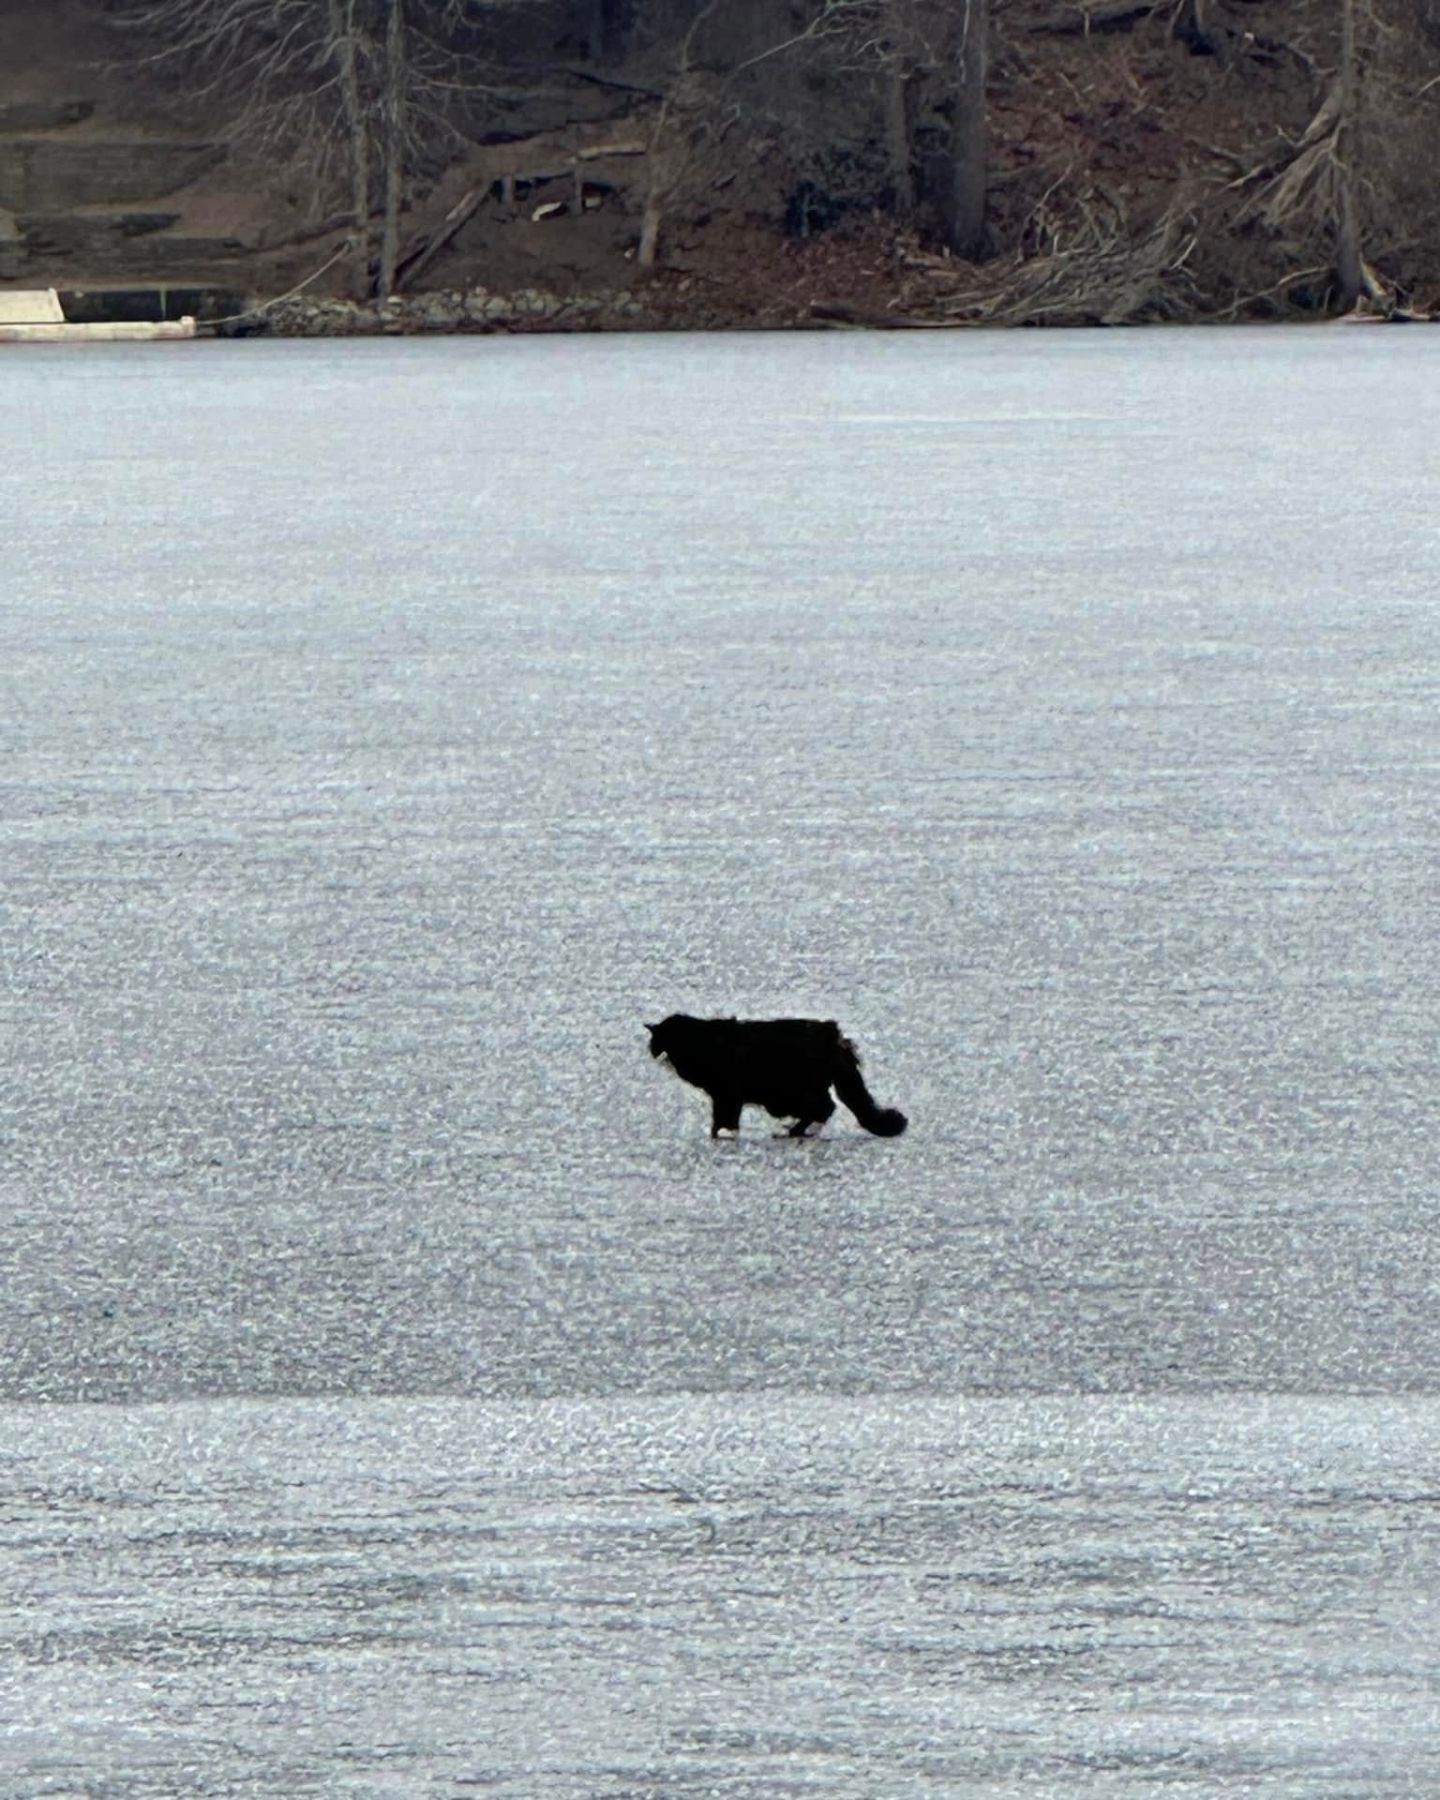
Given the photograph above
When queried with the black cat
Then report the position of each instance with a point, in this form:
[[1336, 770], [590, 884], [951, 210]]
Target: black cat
[[788, 1066]]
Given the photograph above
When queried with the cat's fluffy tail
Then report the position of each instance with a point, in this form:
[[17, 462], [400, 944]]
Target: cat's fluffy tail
[[884, 1121]]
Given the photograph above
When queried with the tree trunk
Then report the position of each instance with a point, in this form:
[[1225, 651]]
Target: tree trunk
[[658, 184], [1191, 25], [969, 150], [650, 222], [357, 131], [598, 32], [1349, 258], [394, 123], [897, 80], [897, 142]]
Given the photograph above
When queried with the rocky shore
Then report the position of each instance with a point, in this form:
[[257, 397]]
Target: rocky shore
[[476, 309]]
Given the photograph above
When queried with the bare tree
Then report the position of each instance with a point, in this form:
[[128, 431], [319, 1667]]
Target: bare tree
[[706, 98], [357, 89], [908, 47], [393, 111], [896, 45], [294, 77], [689, 119], [931, 57], [969, 147], [344, 38], [1309, 191], [890, 40], [1344, 163]]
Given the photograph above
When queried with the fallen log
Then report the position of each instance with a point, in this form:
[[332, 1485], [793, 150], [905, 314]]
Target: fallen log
[[631, 147], [422, 251], [1078, 20]]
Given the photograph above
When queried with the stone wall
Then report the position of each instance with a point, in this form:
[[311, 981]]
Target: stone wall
[[448, 310]]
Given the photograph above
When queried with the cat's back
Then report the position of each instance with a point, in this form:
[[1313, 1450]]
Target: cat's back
[[792, 1039], [705, 1050]]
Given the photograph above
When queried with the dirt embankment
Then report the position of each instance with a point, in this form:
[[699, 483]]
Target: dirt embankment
[[1152, 159]]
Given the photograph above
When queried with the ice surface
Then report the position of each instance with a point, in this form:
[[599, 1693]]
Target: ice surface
[[389, 729], [749, 1596]]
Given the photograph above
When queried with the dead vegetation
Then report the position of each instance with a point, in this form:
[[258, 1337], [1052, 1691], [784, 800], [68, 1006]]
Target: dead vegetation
[[922, 162], [1095, 270]]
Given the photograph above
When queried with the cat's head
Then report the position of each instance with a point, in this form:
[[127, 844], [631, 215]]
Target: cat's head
[[662, 1036]]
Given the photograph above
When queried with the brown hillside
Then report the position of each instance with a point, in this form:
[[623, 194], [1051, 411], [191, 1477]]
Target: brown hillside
[[1187, 158]]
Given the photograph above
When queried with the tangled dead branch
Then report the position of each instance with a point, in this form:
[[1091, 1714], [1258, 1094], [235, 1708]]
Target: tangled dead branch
[[1100, 270], [1300, 176], [1308, 190]]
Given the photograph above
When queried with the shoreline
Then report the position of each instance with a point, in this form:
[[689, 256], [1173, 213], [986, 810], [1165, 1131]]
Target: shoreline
[[534, 311]]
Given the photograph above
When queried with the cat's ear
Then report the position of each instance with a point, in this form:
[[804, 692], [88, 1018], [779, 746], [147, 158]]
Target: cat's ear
[[652, 1027]]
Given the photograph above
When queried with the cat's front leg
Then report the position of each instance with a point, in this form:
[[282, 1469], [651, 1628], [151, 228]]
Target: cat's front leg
[[724, 1116]]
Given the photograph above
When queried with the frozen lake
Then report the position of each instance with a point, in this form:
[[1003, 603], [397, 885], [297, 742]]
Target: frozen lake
[[749, 1596], [388, 730]]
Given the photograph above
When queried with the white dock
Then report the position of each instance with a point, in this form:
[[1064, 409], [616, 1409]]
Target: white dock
[[35, 316]]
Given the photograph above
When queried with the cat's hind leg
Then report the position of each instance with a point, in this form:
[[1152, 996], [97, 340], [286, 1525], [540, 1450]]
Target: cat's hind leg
[[812, 1117]]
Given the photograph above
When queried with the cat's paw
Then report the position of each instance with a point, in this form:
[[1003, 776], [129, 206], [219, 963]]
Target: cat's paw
[[725, 1132]]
